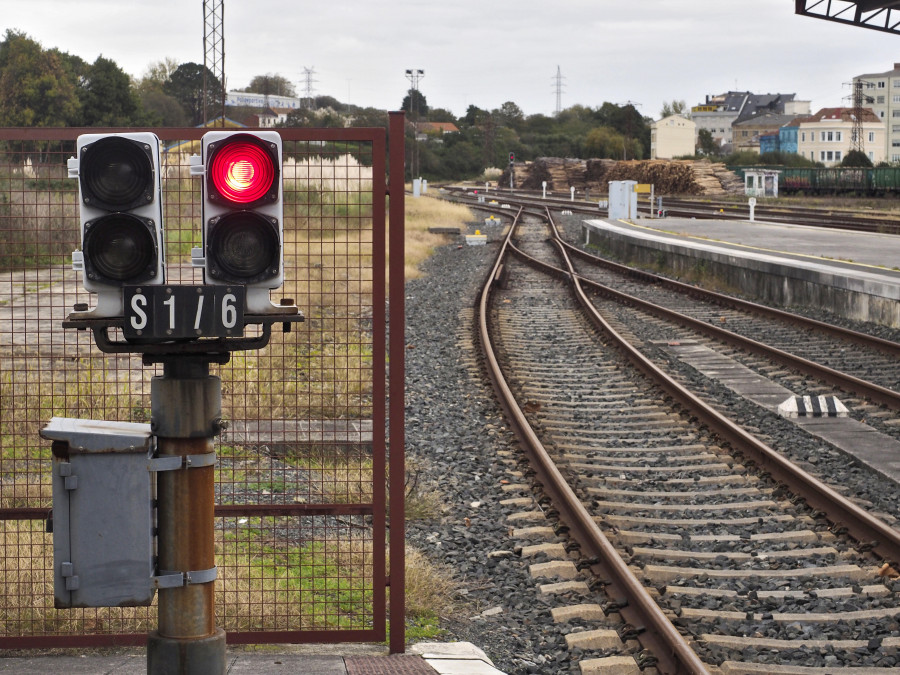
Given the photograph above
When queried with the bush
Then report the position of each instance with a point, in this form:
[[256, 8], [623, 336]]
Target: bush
[[856, 158]]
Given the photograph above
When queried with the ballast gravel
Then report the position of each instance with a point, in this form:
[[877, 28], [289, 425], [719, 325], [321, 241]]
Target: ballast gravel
[[454, 432]]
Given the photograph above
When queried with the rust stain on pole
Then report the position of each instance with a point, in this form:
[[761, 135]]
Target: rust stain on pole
[[186, 540]]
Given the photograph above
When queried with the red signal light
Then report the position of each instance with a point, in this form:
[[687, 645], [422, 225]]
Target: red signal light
[[243, 172]]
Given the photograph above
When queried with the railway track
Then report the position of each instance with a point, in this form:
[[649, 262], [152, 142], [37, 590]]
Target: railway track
[[699, 208], [713, 565]]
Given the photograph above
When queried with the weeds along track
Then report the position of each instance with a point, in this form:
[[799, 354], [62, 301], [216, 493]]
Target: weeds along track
[[714, 563]]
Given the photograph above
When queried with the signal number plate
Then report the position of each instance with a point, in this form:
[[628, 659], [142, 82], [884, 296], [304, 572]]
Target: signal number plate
[[184, 311]]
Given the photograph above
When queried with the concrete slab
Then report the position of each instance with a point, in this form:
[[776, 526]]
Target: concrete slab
[[871, 447], [455, 658], [779, 263]]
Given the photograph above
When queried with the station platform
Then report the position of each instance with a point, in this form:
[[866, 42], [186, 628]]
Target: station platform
[[456, 658], [853, 274]]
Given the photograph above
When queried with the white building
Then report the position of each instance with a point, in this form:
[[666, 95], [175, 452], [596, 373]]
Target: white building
[[672, 136], [827, 136]]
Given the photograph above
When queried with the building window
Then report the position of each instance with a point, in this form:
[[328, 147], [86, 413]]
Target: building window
[[803, 136], [895, 98], [895, 158], [871, 137], [879, 100], [881, 84], [837, 155], [895, 144], [871, 156], [837, 136]]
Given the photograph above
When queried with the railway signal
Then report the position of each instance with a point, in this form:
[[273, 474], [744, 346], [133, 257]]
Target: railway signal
[[242, 214], [120, 209]]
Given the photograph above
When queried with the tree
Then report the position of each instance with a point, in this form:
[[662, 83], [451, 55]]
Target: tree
[[320, 102], [36, 89], [414, 103], [856, 158], [163, 108], [157, 74], [369, 117], [441, 115], [673, 108], [185, 85], [604, 143], [107, 98], [157, 104], [706, 143], [272, 85], [510, 115], [473, 116]]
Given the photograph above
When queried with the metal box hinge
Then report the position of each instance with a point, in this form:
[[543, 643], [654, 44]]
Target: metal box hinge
[[67, 572], [70, 480]]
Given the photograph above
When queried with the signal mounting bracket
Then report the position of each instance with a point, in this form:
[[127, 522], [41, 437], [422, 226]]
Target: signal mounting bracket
[[214, 350]]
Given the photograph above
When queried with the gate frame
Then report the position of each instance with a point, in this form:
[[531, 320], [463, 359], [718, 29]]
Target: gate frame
[[388, 391]]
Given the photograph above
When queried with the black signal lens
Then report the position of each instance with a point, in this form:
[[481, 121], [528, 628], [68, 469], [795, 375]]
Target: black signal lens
[[116, 174], [243, 248], [120, 249]]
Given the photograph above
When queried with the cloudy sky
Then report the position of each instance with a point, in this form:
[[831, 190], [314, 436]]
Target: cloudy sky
[[484, 52]]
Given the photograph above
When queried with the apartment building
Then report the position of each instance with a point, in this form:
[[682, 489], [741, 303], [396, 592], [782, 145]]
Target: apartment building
[[720, 112], [881, 93], [672, 136], [826, 136]]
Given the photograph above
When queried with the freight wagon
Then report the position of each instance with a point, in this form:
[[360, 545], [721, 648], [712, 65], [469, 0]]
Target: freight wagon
[[838, 180]]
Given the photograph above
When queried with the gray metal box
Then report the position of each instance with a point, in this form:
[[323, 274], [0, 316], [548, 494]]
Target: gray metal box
[[103, 492]]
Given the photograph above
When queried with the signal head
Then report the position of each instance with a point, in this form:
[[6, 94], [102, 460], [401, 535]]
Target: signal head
[[243, 172]]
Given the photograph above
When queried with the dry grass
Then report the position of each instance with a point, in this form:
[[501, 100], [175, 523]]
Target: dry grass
[[321, 370], [430, 586], [423, 213]]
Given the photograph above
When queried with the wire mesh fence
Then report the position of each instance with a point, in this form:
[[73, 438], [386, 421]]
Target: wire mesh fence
[[301, 473]]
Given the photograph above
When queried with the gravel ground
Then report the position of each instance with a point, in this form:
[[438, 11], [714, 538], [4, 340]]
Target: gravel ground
[[454, 432]]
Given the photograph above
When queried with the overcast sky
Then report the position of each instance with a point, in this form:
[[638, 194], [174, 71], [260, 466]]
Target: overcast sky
[[484, 52]]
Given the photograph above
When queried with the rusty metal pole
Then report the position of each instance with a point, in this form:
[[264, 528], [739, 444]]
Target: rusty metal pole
[[186, 414]]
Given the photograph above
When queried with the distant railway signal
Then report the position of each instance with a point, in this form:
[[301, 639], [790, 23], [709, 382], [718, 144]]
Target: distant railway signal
[[120, 209], [242, 214]]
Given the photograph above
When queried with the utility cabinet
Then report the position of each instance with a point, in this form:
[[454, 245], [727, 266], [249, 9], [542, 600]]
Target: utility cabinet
[[622, 200], [103, 512]]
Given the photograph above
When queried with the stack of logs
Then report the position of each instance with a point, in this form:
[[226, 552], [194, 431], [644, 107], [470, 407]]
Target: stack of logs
[[670, 177]]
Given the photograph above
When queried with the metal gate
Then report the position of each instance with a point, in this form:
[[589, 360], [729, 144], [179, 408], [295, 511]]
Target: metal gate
[[303, 469]]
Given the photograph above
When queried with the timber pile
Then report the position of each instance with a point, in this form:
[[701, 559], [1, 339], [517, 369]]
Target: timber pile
[[670, 177]]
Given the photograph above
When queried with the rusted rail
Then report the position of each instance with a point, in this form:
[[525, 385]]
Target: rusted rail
[[659, 635]]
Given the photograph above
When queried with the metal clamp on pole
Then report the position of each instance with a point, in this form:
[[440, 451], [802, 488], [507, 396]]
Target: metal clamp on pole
[[170, 579], [177, 462]]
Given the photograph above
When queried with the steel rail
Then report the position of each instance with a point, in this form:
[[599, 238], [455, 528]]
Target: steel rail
[[882, 395], [884, 540], [655, 631], [886, 346], [822, 218]]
